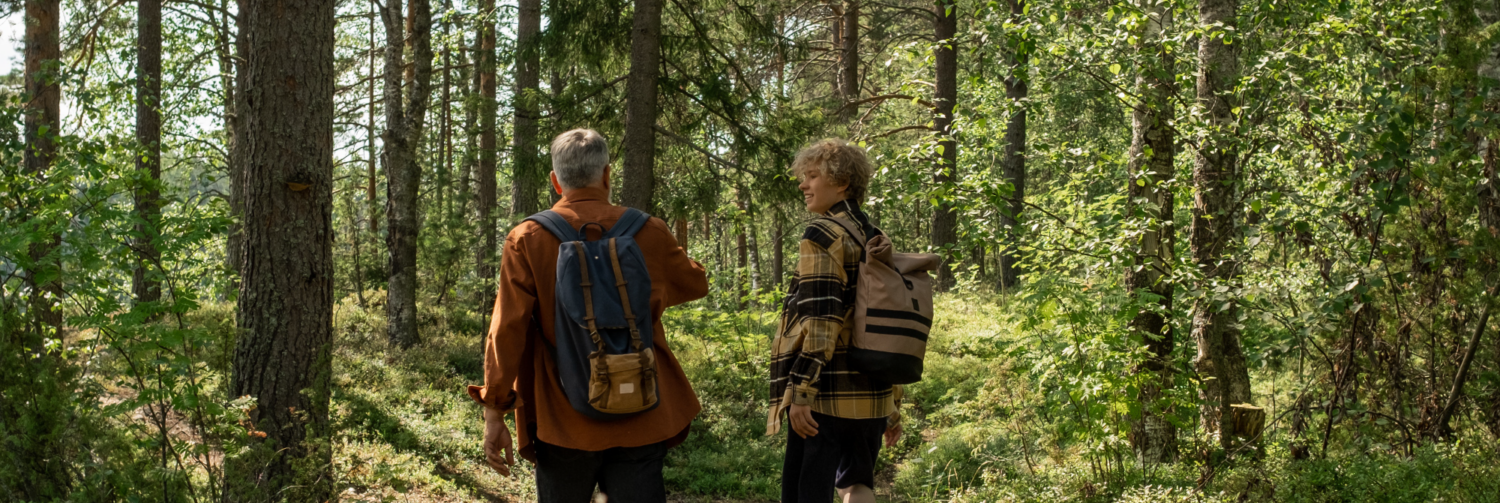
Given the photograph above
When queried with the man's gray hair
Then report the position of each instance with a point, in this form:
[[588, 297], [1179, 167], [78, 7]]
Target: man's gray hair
[[579, 157]]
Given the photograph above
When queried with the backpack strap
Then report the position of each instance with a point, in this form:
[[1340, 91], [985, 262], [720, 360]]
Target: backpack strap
[[858, 236], [629, 224], [557, 225]]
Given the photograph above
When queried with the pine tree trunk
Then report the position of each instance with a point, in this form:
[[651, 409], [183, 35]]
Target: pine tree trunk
[[1152, 148], [640, 107], [1013, 165], [849, 61], [945, 217], [285, 312], [485, 168], [526, 176], [144, 284], [402, 137], [1215, 232], [43, 50]]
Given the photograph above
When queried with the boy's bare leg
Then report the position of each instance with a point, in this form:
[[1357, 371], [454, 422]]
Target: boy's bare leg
[[857, 493]]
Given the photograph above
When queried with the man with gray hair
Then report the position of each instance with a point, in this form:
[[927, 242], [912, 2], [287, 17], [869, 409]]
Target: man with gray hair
[[573, 452]]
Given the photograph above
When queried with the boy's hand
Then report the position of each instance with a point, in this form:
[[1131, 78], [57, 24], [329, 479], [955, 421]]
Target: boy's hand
[[892, 435], [802, 420], [496, 441]]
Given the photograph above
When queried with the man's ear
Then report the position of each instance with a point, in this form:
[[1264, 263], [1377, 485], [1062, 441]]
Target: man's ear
[[555, 186], [605, 178]]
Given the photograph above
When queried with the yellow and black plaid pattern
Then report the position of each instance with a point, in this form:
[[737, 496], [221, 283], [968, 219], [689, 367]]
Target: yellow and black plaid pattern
[[809, 357]]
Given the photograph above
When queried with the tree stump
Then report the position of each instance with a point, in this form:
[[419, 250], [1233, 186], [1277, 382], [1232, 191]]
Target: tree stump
[[1246, 421]]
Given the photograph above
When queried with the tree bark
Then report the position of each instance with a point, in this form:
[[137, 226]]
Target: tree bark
[[945, 216], [525, 183], [640, 107], [1150, 164], [373, 179], [1216, 180], [285, 312], [402, 136], [778, 254], [43, 124], [230, 57], [145, 285], [445, 136], [849, 62], [485, 168], [1013, 165]]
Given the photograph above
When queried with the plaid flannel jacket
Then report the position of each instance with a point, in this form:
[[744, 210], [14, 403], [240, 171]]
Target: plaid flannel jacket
[[809, 363]]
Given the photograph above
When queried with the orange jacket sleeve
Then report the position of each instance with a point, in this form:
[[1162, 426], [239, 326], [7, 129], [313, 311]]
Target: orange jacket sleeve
[[685, 279], [515, 304]]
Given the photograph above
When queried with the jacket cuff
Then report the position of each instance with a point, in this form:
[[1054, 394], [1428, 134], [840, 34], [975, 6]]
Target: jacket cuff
[[509, 402], [804, 394]]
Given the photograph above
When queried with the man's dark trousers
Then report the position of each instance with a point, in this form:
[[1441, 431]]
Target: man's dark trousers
[[626, 474]]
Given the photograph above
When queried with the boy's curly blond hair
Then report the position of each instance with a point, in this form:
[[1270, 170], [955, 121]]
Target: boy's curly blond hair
[[839, 160]]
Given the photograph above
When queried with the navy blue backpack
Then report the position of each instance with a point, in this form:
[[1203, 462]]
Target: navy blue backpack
[[603, 322]]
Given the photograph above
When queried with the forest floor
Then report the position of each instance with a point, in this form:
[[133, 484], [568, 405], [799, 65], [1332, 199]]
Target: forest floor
[[407, 432]]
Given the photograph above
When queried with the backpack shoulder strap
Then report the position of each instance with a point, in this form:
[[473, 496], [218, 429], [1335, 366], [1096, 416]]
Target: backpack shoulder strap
[[850, 227], [629, 224], [557, 225]]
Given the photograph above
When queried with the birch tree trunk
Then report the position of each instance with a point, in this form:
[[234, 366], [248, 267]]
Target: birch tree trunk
[[1215, 232], [1152, 146]]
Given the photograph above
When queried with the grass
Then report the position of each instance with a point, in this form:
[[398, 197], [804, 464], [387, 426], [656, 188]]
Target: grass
[[979, 426]]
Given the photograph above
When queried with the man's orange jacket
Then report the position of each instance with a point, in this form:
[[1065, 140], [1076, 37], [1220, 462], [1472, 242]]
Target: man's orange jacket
[[519, 369]]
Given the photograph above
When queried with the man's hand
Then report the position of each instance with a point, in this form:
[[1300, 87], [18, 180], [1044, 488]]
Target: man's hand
[[892, 435], [497, 441], [802, 421]]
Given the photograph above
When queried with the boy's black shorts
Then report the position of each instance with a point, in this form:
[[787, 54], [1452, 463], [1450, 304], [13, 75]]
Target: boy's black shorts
[[842, 454]]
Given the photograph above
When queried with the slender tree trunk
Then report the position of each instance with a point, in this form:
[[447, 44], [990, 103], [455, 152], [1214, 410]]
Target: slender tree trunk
[[371, 196], [742, 255], [640, 107], [445, 141], [43, 124], [144, 283], [778, 254], [228, 48], [681, 230], [1013, 165], [285, 313], [402, 137], [526, 176], [849, 61], [468, 78], [485, 168], [1215, 230], [945, 216], [1488, 192], [1148, 278]]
